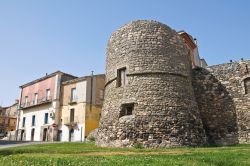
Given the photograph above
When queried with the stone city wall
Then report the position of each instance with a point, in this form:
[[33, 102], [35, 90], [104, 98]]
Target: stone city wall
[[224, 102]]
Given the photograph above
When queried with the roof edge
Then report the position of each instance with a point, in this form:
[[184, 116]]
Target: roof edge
[[45, 77], [81, 79]]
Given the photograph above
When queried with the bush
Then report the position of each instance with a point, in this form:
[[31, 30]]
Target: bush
[[138, 146], [91, 139]]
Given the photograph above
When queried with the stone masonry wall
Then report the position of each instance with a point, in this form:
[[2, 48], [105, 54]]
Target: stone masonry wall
[[223, 103], [159, 85], [172, 104]]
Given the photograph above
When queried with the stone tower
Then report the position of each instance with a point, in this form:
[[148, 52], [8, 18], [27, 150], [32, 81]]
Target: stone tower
[[149, 97]]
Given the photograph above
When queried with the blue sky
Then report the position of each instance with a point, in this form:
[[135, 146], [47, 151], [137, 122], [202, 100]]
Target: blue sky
[[42, 36]]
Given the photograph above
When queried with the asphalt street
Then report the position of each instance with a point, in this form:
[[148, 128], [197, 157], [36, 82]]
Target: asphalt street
[[8, 144]]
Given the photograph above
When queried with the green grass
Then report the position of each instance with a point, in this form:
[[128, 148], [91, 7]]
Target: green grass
[[69, 154]]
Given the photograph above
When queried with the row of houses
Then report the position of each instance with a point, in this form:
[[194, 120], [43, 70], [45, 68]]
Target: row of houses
[[8, 119], [62, 107]]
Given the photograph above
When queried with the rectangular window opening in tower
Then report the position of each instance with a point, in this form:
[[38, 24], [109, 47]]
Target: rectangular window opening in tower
[[122, 77], [247, 85], [127, 109]]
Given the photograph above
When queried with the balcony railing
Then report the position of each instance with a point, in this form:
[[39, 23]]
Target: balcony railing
[[37, 102], [72, 100], [11, 125], [70, 122]]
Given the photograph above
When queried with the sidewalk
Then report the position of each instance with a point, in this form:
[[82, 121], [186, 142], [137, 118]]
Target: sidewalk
[[8, 144]]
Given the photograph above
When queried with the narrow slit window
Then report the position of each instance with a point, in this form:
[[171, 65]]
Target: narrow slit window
[[247, 85], [122, 77]]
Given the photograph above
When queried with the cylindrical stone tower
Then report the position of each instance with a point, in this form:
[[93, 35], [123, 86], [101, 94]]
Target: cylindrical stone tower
[[149, 99]]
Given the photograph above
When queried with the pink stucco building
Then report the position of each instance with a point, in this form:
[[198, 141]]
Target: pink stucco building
[[39, 108]]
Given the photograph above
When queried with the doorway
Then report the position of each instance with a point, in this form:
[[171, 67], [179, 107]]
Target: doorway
[[71, 135], [22, 135], [45, 132], [32, 134], [59, 135]]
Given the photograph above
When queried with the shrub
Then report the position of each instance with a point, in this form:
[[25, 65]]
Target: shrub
[[92, 139], [138, 146]]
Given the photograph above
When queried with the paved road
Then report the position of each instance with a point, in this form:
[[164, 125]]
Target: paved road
[[8, 144]]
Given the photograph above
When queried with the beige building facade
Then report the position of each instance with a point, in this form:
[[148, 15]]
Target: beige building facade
[[8, 120], [81, 105], [11, 115]]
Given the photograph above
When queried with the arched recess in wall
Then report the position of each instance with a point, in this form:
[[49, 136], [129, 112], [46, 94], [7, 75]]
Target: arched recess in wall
[[247, 85]]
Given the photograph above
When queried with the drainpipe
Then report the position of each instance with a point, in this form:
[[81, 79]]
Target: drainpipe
[[91, 89], [47, 134], [19, 108], [81, 134]]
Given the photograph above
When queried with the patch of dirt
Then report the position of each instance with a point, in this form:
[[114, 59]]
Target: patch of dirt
[[132, 153], [122, 153]]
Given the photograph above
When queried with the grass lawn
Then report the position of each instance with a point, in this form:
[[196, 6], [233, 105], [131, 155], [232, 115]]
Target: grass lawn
[[69, 154]]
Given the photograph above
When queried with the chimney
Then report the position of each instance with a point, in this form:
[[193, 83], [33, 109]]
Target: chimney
[[195, 41]]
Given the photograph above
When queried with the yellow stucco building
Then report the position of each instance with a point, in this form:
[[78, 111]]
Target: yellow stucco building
[[81, 106]]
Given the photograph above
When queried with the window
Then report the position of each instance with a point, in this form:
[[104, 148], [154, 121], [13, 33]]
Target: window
[[73, 94], [26, 100], [122, 77], [46, 118], [33, 120], [47, 94], [24, 119], [247, 85], [127, 109], [101, 94], [72, 115], [35, 98]]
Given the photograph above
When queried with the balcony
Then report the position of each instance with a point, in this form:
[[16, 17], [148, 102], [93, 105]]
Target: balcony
[[44, 100], [69, 122], [11, 125], [72, 100]]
